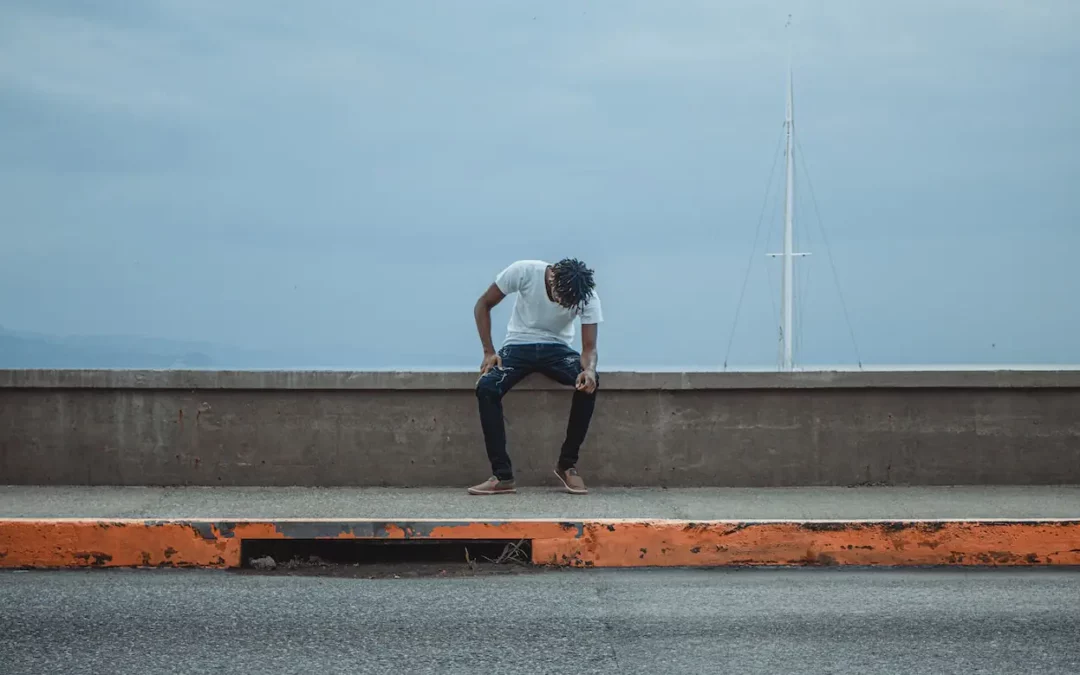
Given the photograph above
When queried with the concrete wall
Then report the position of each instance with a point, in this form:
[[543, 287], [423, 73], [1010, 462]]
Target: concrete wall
[[406, 429]]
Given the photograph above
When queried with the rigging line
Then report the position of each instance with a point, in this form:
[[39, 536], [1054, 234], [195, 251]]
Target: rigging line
[[804, 301], [802, 288], [796, 338], [750, 263], [828, 253], [774, 217], [798, 289]]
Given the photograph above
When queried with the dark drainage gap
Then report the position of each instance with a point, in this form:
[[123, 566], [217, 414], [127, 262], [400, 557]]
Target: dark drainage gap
[[386, 551]]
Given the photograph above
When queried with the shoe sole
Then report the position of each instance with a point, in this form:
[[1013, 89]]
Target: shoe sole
[[488, 493], [567, 485]]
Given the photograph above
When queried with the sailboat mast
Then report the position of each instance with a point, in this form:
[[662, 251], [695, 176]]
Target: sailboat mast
[[787, 300]]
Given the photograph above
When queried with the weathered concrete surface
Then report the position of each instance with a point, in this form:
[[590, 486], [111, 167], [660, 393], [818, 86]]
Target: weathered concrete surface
[[690, 504], [650, 429]]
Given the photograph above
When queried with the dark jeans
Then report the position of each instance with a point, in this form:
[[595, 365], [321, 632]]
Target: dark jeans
[[556, 361]]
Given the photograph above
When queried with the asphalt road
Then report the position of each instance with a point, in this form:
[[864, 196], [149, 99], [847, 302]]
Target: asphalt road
[[592, 621]]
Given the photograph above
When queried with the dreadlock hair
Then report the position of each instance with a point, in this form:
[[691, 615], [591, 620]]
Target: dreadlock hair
[[573, 283]]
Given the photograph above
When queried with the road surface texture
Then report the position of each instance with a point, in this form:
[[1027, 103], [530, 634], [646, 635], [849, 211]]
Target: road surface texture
[[590, 621]]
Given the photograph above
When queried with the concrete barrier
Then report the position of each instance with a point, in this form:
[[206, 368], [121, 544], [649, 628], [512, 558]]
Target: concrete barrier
[[650, 429]]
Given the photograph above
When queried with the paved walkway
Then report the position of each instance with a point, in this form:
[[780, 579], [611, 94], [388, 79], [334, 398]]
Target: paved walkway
[[884, 503]]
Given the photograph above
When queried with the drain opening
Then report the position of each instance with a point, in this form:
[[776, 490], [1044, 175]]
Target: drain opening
[[387, 551]]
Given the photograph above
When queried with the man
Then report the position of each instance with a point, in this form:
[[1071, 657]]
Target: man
[[538, 339]]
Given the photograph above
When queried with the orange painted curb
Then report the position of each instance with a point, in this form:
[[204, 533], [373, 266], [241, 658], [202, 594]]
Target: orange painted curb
[[63, 543], [678, 544]]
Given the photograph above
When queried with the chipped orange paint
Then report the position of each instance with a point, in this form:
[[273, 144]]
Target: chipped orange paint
[[48, 543], [595, 543], [508, 529], [92, 543], [667, 543]]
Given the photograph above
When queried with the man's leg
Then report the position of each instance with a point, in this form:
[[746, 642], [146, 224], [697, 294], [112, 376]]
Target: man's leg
[[490, 390], [564, 366]]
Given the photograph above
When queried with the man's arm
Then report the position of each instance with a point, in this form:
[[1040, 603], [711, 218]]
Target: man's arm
[[482, 313], [587, 380]]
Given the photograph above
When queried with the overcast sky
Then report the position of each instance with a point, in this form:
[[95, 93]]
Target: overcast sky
[[345, 178]]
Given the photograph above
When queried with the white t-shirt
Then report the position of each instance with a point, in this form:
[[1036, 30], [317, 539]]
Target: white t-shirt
[[536, 319]]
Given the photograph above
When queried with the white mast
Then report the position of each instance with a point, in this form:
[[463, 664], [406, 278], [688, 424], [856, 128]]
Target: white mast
[[789, 205], [787, 292]]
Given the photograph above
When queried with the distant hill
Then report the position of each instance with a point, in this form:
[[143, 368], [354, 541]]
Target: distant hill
[[33, 350], [21, 349]]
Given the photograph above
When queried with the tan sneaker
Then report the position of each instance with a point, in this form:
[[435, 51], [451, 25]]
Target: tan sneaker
[[494, 486], [572, 481]]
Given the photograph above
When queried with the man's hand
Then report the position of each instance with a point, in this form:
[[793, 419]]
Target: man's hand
[[586, 381], [492, 360]]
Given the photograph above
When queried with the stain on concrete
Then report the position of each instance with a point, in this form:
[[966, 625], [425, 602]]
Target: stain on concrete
[[573, 560], [203, 529], [315, 529], [577, 528], [95, 558], [933, 526], [170, 552], [827, 527], [930, 527], [417, 529], [226, 529]]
